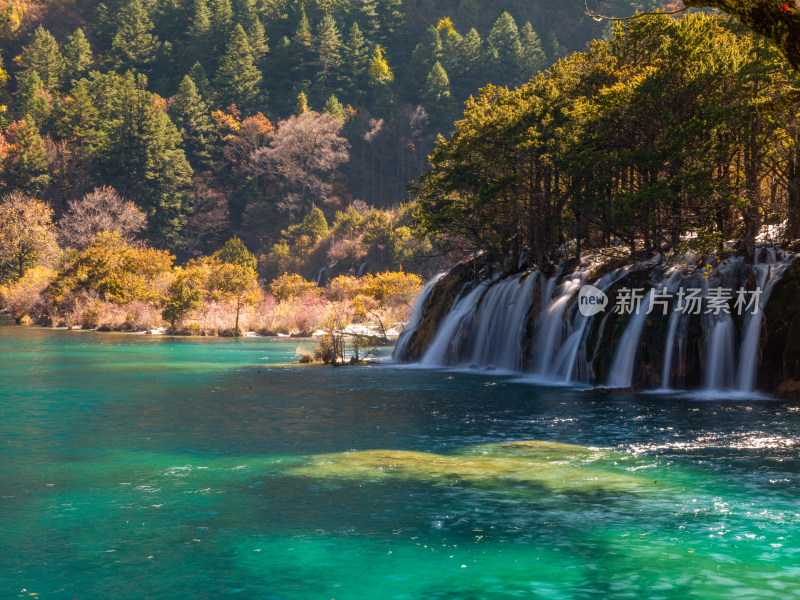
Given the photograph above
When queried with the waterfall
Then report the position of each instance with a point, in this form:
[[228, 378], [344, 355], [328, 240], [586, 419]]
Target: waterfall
[[493, 324], [721, 360], [674, 318], [500, 321], [550, 323], [415, 319], [564, 363], [621, 374], [322, 276], [768, 273], [448, 335], [485, 328]]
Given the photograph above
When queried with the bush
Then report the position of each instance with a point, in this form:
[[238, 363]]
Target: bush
[[24, 296], [288, 286]]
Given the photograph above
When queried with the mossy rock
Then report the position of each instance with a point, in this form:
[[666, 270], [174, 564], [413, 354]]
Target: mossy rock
[[606, 329], [779, 357], [543, 467], [439, 302]]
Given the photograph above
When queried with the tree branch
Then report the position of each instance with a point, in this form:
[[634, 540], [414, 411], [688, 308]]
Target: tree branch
[[597, 17], [777, 20]]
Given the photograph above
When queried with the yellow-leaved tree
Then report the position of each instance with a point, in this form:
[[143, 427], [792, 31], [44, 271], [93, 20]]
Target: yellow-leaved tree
[[117, 271], [21, 297], [27, 235], [233, 276]]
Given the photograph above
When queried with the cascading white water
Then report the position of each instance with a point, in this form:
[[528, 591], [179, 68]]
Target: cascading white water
[[564, 364], [671, 285], [449, 332], [500, 320], [415, 319], [488, 327], [721, 359], [550, 323], [621, 373], [768, 273]]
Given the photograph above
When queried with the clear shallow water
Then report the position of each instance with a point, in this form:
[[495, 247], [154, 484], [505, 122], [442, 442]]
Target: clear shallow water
[[152, 467]]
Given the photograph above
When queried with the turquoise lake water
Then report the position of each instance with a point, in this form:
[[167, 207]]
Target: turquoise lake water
[[155, 467]]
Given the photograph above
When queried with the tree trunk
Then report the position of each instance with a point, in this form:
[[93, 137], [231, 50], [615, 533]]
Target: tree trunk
[[793, 188], [238, 304]]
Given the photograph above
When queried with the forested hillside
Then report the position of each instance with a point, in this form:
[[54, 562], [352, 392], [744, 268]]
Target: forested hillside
[[674, 134], [195, 109]]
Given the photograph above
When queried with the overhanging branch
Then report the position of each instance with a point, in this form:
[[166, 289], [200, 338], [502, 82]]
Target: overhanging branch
[[777, 20], [597, 17]]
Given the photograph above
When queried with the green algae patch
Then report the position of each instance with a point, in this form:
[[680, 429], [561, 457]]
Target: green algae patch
[[546, 466], [543, 450]]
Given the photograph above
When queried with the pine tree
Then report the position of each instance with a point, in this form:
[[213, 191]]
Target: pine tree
[[221, 16], [32, 100], [199, 22], [356, 62], [41, 54], [245, 13], [329, 53], [258, 39], [437, 86], [470, 53], [133, 46], [451, 42], [366, 13], [77, 56], [314, 225], [503, 48], [436, 95], [196, 42], [380, 78], [222, 24], [25, 164], [532, 58], [424, 56], [391, 16], [190, 115], [334, 108], [200, 80], [380, 72], [302, 51], [553, 49], [234, 252], [144, 161], [238, 80], [79, 119]]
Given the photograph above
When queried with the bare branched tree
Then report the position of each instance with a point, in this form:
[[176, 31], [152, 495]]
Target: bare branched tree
[[100, 210], [210, 222], [304, 154]]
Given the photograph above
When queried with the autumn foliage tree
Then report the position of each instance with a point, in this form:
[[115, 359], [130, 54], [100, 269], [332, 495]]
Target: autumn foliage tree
[[116, 271], [184, 294], [27, 235], [233, 276]]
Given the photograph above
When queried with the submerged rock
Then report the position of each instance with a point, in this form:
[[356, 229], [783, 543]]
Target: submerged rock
[[548, 466]]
